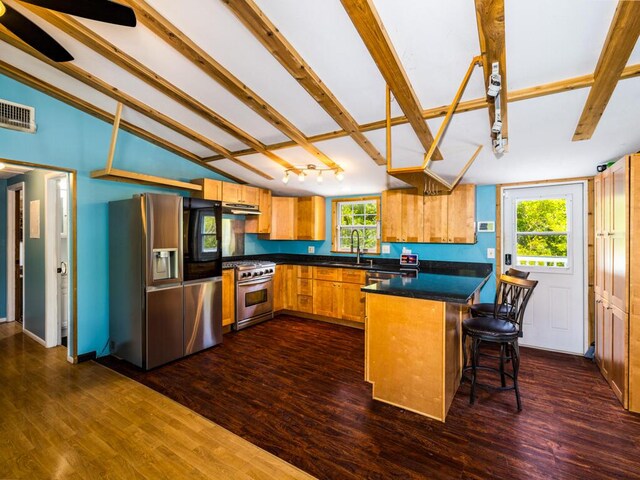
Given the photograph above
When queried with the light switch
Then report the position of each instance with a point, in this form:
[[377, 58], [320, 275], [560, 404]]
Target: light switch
[[386, 248], [491, 253], [311, 249]]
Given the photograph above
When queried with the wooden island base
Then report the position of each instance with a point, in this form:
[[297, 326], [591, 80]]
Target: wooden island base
[[413, 352]]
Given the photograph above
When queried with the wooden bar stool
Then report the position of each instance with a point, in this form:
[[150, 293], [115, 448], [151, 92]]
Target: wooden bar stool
[[487, 309], [504, 327]]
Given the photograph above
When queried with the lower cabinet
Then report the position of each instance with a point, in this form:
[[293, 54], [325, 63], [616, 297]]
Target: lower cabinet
[[352, 302], [611, 352], [327, 298], [228, 297]]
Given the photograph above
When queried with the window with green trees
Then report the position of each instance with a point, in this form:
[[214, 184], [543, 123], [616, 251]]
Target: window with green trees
[[361, 215], [542, 233]]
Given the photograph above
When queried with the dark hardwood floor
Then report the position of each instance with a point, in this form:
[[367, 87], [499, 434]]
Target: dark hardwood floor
[[295, 388]]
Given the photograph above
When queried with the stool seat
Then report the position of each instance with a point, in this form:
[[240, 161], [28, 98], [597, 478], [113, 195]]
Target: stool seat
[[487, 309], [490, 329]]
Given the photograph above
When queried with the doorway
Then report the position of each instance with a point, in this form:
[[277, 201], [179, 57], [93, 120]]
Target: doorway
[[544, 233], [15, 253], [56, 258]]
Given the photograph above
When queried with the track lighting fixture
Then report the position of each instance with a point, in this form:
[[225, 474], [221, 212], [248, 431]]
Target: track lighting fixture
[[303, 170]]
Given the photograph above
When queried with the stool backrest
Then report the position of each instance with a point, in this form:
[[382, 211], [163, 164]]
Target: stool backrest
[[512, 297], [512, 272]]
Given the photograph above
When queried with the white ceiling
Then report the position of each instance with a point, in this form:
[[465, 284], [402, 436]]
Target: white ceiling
[[546, 41]]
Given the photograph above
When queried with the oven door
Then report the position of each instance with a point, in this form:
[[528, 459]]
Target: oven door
[[254, 300]]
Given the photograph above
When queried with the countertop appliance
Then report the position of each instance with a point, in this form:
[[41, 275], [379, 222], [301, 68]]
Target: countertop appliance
[[145, 279], [254, 291], [202, 259]]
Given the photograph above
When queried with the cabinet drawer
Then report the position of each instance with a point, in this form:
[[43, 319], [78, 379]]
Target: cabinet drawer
[[305, 303], [305, 271], [353, 276], [327, 273], [305, 286]]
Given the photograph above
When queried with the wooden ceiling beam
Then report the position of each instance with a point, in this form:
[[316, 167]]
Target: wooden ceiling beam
[[490, 18], [367, 22], [620, 42], [101, 86], [575, 83], [274, 41], [187, 47], [112, 53], [86, 107]]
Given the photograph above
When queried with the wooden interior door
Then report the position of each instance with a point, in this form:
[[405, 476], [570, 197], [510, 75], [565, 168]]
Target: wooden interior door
[[19, 270], [618, 373], [618, 235], [599, 236]]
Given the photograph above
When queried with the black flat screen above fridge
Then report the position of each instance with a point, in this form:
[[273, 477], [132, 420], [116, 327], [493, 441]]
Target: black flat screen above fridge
[[202, 242]]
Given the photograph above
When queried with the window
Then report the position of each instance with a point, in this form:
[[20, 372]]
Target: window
[[360, 215], [542, 233], [209, 238]]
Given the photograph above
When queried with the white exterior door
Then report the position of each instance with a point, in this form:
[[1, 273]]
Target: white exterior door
[[544, 234]]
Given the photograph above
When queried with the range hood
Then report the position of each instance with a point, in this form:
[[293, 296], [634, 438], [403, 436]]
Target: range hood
[[240, 209]]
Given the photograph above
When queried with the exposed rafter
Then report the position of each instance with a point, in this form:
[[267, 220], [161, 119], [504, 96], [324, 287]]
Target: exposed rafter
[[575, 83], [100, 45], [187, 47], [490, 16], [370, 28], [96, 83], [80, 104], [267, 33], [621, 40]]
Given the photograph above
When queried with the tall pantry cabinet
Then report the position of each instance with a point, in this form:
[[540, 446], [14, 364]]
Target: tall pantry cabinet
[[617, 278]]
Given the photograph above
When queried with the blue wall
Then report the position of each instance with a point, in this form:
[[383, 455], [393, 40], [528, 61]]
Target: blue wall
[[67, 137], [485, 210]]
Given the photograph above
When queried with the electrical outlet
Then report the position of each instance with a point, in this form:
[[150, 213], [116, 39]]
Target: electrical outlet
[[386, 248], [311, 249], [491, 253]]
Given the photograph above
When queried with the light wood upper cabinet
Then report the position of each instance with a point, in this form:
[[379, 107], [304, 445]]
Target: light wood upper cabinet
[[228, 297], [250, 195], [461, 215], [211, 189], [435, 219], [260, 223], [391, 217], [232, 192], [311, 218], [402, 212], [283, 218]]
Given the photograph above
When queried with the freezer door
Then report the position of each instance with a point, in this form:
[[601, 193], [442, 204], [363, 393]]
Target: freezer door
[[202, 315], [163, 226], [164, 325]]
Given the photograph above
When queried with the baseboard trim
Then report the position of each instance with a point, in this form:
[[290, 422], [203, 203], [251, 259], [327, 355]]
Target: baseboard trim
[[33, 336], [70, 360], [3, 320], [322, 318], [85, 357]]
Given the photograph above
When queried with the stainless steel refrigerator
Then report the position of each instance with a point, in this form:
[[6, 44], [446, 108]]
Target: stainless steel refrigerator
[[145, 279]]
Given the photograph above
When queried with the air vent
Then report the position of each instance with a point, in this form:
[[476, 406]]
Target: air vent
[[17, 117]]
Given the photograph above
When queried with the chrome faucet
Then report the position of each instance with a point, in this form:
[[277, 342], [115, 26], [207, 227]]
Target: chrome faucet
[[357, 247]]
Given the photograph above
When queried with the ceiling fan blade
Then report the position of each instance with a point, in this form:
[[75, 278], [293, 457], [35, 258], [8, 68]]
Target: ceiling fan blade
[[101, 10], [33, 35]]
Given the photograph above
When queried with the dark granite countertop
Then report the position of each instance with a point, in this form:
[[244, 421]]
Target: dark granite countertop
[[432, 267], [440, 287]]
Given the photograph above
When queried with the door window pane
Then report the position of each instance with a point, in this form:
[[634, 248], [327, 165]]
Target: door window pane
[[542, 233]]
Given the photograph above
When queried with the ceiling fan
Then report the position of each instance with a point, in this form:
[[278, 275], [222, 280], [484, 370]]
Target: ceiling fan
[[101, 10]]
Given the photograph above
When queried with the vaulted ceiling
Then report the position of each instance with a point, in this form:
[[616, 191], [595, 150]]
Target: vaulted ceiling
[[241, 104]]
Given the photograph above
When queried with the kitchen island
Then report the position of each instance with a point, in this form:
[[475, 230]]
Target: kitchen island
[[413, 329]]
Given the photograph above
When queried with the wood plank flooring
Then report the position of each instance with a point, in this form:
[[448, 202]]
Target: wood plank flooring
[[295, 388], [85, 421]]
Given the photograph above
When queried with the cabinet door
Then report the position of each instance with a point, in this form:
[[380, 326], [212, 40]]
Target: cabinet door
[[250, 195], [353, 276], [327, 298], [231, 192], [461, 215], [412, 214], [435, 219], [618, 373], [211, 189], [352, 302], [607, 192], [598, 276], [278, 288], [327, 273], [601, 334], [391, 216], [283, 218], [311, 218], [260, 223], [228, 297], [618, 235], [290, 288]]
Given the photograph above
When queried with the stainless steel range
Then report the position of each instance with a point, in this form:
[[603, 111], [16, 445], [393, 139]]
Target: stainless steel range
[[254, 291]]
